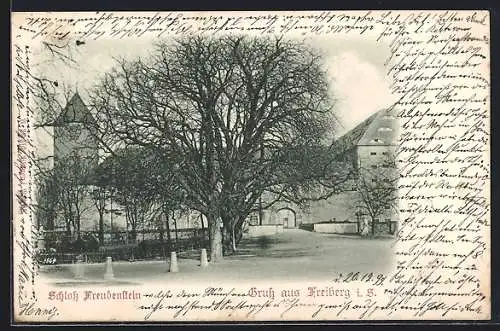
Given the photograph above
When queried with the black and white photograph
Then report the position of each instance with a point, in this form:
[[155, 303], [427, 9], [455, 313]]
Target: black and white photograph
[[242, 148], [235, 154]]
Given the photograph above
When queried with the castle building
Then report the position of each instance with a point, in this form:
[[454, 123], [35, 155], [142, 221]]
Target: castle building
[[372, 143], [370, 149], [70, 149], [77, 150], [73, 136]]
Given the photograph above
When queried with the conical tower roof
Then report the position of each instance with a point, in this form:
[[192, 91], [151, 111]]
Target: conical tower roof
[[75, 112]]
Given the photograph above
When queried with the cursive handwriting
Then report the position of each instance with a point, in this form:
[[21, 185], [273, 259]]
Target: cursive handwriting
[[438, 67], [24, 228], [33, 309]]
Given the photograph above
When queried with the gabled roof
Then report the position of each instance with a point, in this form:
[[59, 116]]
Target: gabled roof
[[380, 129], [75, 112]]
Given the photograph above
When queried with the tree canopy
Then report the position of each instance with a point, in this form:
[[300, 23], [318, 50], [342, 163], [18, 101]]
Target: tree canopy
[[240, 115]]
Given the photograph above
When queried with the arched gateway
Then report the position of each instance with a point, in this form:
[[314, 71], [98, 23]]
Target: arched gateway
[[286, 216]]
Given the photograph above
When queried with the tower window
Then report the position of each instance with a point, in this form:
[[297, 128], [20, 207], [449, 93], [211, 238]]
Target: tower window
[[373, 153]]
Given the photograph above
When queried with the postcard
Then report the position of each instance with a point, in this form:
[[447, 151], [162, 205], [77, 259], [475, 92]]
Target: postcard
[[250, 166]]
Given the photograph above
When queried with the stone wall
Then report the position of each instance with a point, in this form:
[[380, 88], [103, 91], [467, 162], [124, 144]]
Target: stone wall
[[340, 228], [338, 208]]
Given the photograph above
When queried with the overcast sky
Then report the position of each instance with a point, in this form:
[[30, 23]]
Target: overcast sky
[[356, 71]]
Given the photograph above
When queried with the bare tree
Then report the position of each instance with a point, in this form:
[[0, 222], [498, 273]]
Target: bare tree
[[301, 174], [99, 197], [143, 185], [47, 202], [50, 94], [71, 174], [231, 107], [125, 175], [62, 186], [377, 192]]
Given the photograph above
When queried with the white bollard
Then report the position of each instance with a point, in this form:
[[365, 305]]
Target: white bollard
[[173, 262], [203, 258], [108, 271]]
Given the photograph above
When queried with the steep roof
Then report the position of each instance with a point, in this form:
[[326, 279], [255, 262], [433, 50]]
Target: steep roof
[[380, 129], [75, 112], [383, 130]]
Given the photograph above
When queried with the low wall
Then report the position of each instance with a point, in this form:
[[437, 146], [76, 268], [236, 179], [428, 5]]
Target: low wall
[[347, 228], [264, 230], [306, 226]]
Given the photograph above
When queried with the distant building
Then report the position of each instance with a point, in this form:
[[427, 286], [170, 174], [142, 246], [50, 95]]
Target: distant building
[[73, 136], [369, 148], [372, 143]]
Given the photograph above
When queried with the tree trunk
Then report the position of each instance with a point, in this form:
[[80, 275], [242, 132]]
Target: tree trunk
[[73, 228], [238, 229], [133, 232], [50, 221], [162, 233], [68, 229], [227, 233], [233, 240], [101, 228], [78, 234], [261, 215], [161, 230], [169, 237], [373, 227], [202, 223], [203, 234], [226, 240], [215, 237], [77, 220], [176, 233]]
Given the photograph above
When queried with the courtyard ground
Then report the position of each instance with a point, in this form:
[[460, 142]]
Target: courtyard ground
[[294, 255]]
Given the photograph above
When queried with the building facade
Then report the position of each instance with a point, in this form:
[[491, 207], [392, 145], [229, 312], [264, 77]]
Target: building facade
[[73, 136], [369, 148]]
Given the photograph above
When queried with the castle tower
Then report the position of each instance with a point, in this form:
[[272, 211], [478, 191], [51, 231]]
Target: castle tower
[[73, 134]]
